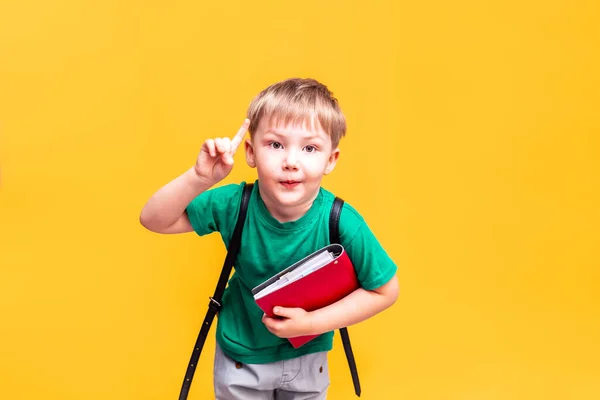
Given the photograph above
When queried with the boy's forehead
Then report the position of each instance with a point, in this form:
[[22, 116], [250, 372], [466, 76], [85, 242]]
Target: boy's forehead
[[276, 124]]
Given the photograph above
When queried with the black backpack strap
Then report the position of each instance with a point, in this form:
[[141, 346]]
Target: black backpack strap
[[334, 237], [215, 301]]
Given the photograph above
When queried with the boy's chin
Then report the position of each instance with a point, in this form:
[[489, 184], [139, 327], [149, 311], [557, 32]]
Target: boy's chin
[[290, 198]]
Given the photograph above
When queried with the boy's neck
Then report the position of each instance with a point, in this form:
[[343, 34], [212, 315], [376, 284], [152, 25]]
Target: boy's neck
[[283, 213]]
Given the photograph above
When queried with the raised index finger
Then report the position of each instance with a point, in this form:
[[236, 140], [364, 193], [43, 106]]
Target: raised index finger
[[239, 136]]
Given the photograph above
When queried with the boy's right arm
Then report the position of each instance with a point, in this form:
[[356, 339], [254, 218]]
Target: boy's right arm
[[165, 210]]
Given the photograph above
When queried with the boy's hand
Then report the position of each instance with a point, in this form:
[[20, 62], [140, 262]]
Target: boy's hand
[[215, 160], [295, 322]]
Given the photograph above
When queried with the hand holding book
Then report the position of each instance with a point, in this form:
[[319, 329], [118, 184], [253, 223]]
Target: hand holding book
[[288, 322]]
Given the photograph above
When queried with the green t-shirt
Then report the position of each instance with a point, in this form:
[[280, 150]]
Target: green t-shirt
[[268, 247]]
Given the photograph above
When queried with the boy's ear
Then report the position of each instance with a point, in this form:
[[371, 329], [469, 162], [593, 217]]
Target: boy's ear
[[332, 161], [250, 153]]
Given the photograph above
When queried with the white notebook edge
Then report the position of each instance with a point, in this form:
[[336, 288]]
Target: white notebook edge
[[282, 281]]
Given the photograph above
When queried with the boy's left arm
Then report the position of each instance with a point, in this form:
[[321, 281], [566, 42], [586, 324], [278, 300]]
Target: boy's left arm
[[356, 307]]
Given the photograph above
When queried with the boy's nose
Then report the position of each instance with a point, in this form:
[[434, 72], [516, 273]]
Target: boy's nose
[[290, 161]]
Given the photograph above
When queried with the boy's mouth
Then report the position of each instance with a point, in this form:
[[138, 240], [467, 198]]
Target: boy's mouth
[[289, 184]]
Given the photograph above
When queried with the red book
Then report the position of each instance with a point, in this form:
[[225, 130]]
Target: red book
[[316, 281]]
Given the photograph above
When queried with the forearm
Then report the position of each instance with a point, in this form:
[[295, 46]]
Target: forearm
[[354, 308], [167, 205]]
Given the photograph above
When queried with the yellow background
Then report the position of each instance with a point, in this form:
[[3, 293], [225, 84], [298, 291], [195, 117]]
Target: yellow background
[[472, 152]]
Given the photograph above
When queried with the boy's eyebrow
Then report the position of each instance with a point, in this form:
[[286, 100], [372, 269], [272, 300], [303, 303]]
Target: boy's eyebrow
[[312, 136]]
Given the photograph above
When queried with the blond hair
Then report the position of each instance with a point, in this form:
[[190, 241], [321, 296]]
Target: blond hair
[[299, 101]]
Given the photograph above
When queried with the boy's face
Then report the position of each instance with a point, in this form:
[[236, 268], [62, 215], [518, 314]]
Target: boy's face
[[291, 161]]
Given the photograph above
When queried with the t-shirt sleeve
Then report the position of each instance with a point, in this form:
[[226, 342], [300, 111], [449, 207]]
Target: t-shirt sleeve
[[373, 266], [215, 210]]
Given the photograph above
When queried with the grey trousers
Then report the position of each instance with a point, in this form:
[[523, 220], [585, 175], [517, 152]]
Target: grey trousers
[[302, 378]]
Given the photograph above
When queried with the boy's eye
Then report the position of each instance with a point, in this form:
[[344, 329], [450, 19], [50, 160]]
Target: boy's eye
[[275, 145], [310, 149]]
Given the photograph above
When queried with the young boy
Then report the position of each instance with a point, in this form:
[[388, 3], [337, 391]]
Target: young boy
[[295, 127]]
